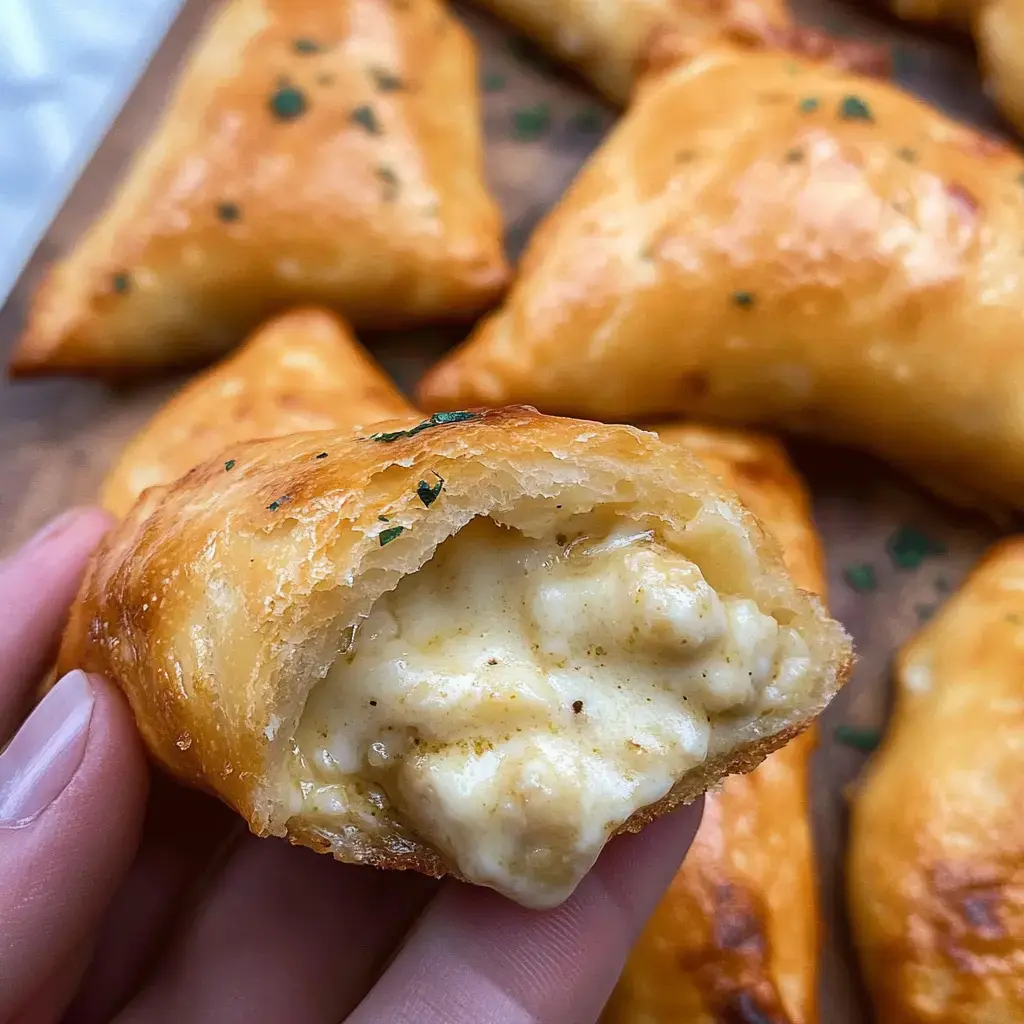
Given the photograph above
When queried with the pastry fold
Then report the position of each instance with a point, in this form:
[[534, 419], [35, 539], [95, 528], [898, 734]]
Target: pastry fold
[[770, 241], [936, 857], [477, 644], [736, 935], [302, 371], [314, 152]]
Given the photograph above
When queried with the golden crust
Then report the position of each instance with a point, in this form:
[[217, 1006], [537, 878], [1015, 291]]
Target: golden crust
[[222, 598], [614, 43], [302, 371], [814, 255], [737, 931], [936, 857], [315, 151]]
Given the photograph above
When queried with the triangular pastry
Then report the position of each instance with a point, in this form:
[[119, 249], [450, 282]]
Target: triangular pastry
[[302, 371], [763, 240], [314, 151]]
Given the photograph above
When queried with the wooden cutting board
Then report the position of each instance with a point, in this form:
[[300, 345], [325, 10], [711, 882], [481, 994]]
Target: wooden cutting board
[[894, 553]]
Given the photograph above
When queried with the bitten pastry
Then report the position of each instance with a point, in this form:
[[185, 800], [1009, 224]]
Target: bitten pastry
[[773, 241], [936, 860], [998, 30], [315, 151], [735, 938], [302, 371], [479, 644]]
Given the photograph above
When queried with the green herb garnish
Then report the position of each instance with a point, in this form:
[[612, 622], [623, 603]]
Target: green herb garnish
[[383, 519], [908, 547], [907, 154], [437, 420], [390, 182], [427, 494], [121, 283], [531, 123], [322, 455], [230, 464], [853, 108], [858, 737], [287, 103], [386, 81], [229, 212], [276, 504], [390, 534], [745, 300], [861, 578], [808, 105], [306, 46], [493, 82], [365, 118]]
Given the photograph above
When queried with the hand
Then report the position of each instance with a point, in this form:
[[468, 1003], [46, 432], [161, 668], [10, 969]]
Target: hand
[[112, 910]]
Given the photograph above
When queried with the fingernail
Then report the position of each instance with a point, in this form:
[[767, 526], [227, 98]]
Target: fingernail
[[45, 753], [52, 529]]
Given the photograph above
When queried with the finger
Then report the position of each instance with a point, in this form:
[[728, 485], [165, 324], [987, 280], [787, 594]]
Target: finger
[[37, 584], [72, 797], [187, 835], [476, 958], [286, 934]]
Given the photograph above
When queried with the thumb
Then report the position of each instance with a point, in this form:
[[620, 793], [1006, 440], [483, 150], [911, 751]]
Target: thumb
[[72, 795]]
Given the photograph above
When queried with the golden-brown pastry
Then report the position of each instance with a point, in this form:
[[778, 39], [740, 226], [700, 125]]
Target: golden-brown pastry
[[998, 30], [478, 643], [766, 240], [609, 41], [615, 42], [315, 151], [302, 371], [735, 938], [936, 859]]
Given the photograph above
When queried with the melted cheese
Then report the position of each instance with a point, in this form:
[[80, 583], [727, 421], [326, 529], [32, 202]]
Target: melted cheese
[[517, 700]]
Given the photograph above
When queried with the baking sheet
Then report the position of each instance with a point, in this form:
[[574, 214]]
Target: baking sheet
[[894, 553]]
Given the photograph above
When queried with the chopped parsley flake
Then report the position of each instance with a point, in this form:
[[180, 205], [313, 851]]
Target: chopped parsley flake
[[907, 154], [437, 420], [745, 300], [577, 706], [383, 519], [390, 182], [275, 505], [121, 283], [386, 81], [808, 105], [288, 103], [230, 464], [390, 534], [365, 118], [861, 578], [857, 737], [322, 455], [908, 547], [306, 46], [229, 212], [853, 108], [493, 81], [427, 494], [531, 123]]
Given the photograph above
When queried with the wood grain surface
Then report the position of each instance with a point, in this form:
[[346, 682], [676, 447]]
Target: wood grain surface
[[58, 437]]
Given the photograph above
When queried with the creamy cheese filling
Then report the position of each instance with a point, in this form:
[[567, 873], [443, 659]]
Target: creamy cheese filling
[[516, 700]]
